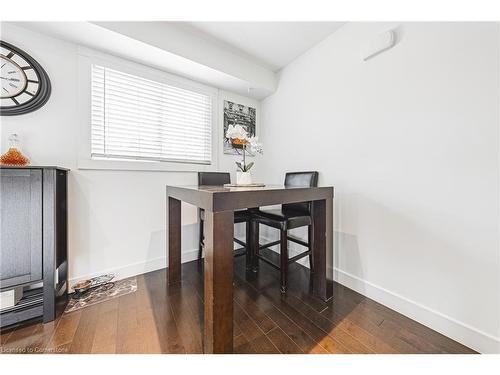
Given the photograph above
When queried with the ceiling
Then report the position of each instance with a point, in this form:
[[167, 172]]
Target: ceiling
[[272, 44], [240, 57]]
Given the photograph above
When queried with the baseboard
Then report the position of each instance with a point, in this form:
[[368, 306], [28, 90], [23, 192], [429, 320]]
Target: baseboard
[[446, 325], [138, 268]]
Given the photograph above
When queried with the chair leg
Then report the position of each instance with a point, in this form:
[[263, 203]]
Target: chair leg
[[248, 247], [309, 243], [200, 241], [283, 259], [254, 244]]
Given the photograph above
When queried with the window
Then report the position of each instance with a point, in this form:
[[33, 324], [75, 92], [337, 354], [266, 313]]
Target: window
[[141, 119]]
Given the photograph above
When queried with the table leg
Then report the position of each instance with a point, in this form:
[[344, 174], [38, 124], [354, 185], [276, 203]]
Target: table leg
[[218, 335], [322, 245], [174, 239]]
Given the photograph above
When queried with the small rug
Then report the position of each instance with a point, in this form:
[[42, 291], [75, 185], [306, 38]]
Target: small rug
[[101, 294]]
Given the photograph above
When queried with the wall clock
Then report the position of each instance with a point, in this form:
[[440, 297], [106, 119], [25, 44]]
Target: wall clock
[[25, 86]]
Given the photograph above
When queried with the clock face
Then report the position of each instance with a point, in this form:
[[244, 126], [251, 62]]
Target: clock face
[[12, 78], [25, 86]]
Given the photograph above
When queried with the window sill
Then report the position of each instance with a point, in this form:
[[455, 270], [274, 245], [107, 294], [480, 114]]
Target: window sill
[[131, 165]]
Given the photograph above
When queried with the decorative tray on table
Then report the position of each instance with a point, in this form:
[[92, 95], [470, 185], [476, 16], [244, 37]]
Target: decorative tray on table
[[255, 184]]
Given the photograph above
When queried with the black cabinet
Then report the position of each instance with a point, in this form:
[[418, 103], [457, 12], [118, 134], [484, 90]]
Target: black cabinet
[[21, 226], [34, 241]]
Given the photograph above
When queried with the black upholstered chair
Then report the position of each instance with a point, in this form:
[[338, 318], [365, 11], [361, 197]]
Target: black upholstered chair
[[243, 216], [289, 216]]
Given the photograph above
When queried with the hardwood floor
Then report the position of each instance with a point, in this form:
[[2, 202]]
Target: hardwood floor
[[169, 319]]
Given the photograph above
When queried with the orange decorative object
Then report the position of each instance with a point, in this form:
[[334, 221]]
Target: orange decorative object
[[238, 143], [13, 156]]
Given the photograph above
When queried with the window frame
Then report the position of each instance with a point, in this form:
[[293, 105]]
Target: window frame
[[87, 58]]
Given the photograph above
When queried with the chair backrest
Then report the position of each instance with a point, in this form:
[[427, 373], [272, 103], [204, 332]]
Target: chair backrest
[[300, 179], [214, 178]]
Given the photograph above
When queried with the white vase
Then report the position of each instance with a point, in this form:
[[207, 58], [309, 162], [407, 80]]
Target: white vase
[[243, 178]]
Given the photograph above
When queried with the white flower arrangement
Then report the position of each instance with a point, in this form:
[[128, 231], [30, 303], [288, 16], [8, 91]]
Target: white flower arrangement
[[255, 145], [240, 139], [236, 132]]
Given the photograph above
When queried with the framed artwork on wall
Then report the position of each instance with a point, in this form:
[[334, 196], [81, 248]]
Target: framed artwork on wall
[[238, 114]]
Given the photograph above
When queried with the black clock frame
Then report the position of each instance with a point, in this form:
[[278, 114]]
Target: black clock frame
[[44, 89]]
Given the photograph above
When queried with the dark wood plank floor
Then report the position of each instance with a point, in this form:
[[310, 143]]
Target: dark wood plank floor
[[169, 319]]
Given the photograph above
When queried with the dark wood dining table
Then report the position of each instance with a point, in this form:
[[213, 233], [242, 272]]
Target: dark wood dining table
[[219, 204]]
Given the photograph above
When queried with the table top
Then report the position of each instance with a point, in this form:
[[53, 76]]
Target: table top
[[33, 167], [221, 198]]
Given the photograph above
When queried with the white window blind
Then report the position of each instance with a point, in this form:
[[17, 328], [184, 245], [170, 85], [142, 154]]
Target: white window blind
[[137, 118]]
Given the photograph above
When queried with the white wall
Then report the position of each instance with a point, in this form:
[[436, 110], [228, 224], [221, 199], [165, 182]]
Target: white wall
[[116, 218], [410, 141]]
